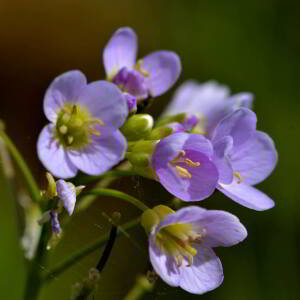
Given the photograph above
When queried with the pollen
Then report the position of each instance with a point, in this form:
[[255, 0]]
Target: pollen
[[75, 126], [182, 160], [139, 68], [238, 176], [182, 172]]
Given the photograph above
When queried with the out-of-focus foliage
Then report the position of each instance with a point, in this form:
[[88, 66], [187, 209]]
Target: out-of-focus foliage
[[249, 45]]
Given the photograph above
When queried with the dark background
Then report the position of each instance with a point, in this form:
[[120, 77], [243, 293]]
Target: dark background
[[249, 45]]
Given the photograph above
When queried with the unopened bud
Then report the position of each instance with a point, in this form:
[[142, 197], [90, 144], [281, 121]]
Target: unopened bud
[[142, 146], [51, 188], [137, 127], [79, 189], [149, 220], [179, 118], [159, 133]]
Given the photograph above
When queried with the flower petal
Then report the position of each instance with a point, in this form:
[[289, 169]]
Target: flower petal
[[120, 51], [66, 192], [186, 215], [240, 125], [163, 265], [105, 102], [192, 97], [53, 156], [222, 228], [164, 68], [203, 177], [221, 148], [246, 195], [205, 274], [64, 88], [256, 159], [102, 154]]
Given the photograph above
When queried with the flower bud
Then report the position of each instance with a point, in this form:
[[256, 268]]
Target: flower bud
[[179, 118], [141, 164], [51, 188], [137, 127], [159, 133], [142, 146]]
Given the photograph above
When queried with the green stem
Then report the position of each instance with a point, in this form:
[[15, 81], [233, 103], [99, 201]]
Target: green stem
[[34, 278], [30, 182], [119, 195], [141, 287], [84, 179], [74, 258]]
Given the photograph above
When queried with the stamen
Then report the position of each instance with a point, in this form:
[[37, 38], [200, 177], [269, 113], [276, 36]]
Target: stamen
[[74, 109], [63, 129], [238, 176], [182, 172], [139, 68], [66, 117], [70, 139], [94, 132], [190, 163], [78, 123]]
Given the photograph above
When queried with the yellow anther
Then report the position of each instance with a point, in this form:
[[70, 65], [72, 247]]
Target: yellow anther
[[66, 117], [139, 68], [182, 172], [94, 132], [70, 139], [190, 163], [96, 121], [63, 129], [238, 176]]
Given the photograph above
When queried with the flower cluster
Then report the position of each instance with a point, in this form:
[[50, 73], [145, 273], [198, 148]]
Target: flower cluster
[[206, 139]]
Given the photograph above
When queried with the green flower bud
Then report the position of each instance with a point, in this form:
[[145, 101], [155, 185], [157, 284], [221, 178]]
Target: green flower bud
[[137, 127], [51, 188], [142, 146], [159, 133], [179, 118]]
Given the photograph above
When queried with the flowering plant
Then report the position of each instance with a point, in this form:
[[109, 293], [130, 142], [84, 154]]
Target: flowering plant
[[205, 140]]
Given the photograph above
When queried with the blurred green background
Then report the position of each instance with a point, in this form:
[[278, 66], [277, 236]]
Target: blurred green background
[[249, 45]]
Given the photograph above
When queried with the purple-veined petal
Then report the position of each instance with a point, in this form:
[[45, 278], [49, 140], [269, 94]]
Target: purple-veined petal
[[256, 159], [205, 274], [66, 192], [246, 195], [221, 228], [53, 156], [221, 149], [105, 102], [240, 125], [101, 154], [64, 88], [241, 100], [164, 68], [198, 149], [120, 51], [163, 265], [186, 215], [192, 97]]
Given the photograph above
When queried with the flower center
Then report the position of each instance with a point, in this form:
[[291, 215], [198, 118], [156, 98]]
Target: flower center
[[238, 176], [182, 160], [132, 81], [176, 240], [75, 126]]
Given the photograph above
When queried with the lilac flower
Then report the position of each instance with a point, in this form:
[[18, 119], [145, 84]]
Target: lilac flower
[[180, 245], [151, 76], [182, 163], [65, 192], [83, 133], [210, 102], [244, 157]]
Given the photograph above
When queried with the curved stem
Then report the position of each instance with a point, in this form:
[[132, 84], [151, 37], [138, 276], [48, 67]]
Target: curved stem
[[30, 181], [74, 258], [141, 287], [119, 195], [84, 179]]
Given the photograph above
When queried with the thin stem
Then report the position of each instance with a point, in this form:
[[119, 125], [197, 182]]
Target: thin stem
[[109, 245], [84, 179], [29, 179], [141, 287], [119, 195], [75, 257]]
